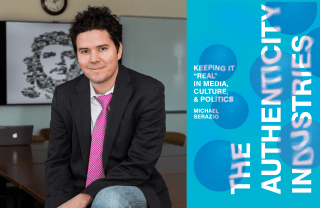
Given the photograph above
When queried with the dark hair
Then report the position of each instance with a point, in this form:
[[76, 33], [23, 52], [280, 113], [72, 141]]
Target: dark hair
[[96, 18]]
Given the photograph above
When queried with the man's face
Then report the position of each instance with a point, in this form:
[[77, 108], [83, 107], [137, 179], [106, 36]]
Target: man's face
[[98, 56], [56, 60]]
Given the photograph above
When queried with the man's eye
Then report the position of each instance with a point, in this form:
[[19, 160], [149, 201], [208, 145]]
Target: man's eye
[[84, 51], [103, 49]]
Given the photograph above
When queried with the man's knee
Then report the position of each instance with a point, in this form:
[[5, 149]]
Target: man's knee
[[108, 197], [119, 197]]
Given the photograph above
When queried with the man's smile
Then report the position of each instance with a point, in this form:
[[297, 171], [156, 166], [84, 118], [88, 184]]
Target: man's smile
[[96, 68]]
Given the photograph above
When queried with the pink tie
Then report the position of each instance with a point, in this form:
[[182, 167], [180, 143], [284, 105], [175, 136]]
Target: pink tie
[[95, 168]]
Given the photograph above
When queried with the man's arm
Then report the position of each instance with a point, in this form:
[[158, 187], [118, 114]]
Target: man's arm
[[79, 201], [57, 165], [145, 148]]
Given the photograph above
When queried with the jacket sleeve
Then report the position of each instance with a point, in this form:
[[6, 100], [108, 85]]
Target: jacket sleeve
[[57, 165], [145, 149]]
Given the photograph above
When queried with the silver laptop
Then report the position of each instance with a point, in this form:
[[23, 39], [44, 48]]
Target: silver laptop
[[15, 135]]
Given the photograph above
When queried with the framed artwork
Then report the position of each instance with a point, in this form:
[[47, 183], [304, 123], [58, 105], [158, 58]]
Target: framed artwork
[[38, 57]]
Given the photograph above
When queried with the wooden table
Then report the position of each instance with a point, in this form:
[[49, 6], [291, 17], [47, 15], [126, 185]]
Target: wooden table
[[19, 166], [22, 158], [33, 147], [32, 182], [35, 153], [29, 178], [23, 166]]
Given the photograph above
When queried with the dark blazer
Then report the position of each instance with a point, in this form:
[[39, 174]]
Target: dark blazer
[[132, 145]]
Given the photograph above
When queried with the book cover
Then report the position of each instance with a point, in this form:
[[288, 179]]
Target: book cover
[[253, 123]]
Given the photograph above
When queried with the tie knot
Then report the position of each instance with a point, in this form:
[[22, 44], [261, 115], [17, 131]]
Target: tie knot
[[104, 100]]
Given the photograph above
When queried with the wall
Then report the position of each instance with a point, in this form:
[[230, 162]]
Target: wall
[[22, 10]]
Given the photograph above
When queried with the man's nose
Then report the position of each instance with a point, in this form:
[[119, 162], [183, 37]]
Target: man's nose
[[94, 57]]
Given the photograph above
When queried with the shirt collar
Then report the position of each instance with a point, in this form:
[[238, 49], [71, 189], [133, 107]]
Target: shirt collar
[[93, 92]]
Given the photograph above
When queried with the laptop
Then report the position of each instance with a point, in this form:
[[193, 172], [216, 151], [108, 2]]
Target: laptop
[[16, 135]]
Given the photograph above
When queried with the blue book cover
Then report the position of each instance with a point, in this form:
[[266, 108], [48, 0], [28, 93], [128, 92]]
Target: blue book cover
[[253, 92]]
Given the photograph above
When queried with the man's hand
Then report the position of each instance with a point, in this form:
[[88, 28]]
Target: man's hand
[[81, 201]]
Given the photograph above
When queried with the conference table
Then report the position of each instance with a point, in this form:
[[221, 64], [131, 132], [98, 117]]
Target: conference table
[[24, 167]]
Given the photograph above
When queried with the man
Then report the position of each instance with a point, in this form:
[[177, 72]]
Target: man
[[107, 126], [53, 63]]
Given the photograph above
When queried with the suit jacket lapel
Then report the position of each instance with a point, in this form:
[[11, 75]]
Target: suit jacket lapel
[[120, 98], [82, 115]]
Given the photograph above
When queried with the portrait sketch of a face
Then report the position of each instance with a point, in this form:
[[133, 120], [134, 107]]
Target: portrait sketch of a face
[[53, 63], [39, 57]]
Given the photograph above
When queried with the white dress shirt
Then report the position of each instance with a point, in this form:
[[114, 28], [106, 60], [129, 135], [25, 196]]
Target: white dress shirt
[[96, 107]]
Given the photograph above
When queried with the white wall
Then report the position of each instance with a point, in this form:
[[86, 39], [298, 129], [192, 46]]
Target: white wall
[[22, 10]]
